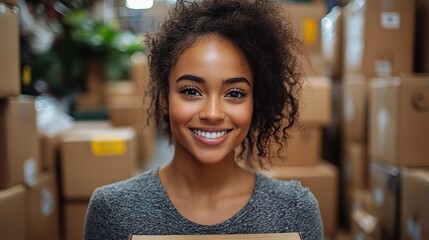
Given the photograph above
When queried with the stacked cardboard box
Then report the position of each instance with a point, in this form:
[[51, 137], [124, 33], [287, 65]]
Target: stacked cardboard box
[[127, 106], [9, 50], [13, 213], [28, 191], [306, 19], [414, 196], [398, 136], [301, 157], [92, 154], [378, 40]]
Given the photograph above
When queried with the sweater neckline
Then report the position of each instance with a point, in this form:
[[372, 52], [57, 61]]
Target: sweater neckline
[[243, 212]]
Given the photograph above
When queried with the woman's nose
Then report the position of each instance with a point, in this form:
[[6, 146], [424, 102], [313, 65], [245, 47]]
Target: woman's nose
[[212, 110]]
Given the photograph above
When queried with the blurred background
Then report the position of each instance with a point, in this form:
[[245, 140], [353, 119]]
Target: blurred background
[[72, 79]]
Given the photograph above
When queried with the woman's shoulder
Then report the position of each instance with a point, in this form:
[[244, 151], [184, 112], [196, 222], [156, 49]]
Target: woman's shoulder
[[284, 191], [136, 184]]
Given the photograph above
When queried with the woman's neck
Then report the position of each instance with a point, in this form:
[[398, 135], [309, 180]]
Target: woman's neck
[[189, 178]]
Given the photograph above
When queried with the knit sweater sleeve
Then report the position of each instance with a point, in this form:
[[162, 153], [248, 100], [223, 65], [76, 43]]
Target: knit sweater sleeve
[[98, 217], [309, 218]]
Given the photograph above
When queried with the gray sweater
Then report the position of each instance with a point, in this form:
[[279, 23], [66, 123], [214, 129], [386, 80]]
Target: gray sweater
[[141, 206]]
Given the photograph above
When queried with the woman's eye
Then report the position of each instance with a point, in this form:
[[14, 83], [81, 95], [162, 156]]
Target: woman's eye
[[236, 94], [190, 92]]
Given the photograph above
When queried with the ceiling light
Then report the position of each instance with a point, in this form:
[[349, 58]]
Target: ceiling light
[[139, 4]]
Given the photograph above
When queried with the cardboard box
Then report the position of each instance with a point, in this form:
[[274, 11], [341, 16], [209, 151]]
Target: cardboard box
[[126, 110], [365, 226], [316, 101], [74, 220], [305, 18], [356, 165], [19, 144], [130, 111], [267, 236], [43, 208], [422, 37], [120, 88], [414, 199], [12, 213], [322, 180], [302, 149], [385, 188], [9, 52], [140, 72], [94, 157], [379, 37], [49, 151], [398, 120], [358, 199], [332, 42], [355, 98], [89, 125], [146, 144]]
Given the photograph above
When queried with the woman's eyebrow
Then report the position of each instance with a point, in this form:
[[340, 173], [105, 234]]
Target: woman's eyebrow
[[237, 80], [197, 79], [190, 78]]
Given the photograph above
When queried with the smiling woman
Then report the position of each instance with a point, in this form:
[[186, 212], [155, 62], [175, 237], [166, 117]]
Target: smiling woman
[[223, 75]]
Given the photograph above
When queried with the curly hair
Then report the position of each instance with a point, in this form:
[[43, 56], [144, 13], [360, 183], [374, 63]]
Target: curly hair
[[263, 33]]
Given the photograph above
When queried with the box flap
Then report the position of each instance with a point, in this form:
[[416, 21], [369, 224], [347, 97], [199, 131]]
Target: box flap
[[271, 236]]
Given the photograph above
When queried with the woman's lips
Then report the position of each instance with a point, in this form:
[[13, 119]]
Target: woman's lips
[[210, 137]]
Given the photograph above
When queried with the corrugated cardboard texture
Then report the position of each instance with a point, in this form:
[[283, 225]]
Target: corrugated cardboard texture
[[302, 149], [43, 208], [12, 213], [306, 18], [414, 204], [74, 220], [19, 144], [355, 95], [385, 184], [49, 151], [316, 101], [273, 236], [356, 165], [322, 180], [128, 110], [379, 37], [94, 157], [365, 226], [398, 120], [9, 52]]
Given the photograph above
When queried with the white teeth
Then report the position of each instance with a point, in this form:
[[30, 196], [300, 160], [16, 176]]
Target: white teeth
[[209, 135]]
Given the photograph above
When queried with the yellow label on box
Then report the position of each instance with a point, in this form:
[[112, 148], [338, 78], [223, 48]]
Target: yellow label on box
[[310, 31], [108, 147]]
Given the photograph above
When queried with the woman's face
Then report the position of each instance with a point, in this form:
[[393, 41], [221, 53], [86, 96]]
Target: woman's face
[[210, 100]]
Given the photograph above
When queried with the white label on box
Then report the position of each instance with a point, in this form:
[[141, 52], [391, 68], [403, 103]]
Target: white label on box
[[46, 201], [378, 196], [382, 122], [390, 20], [30, 172], [413, 229], [383, 67], [349, 108]]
